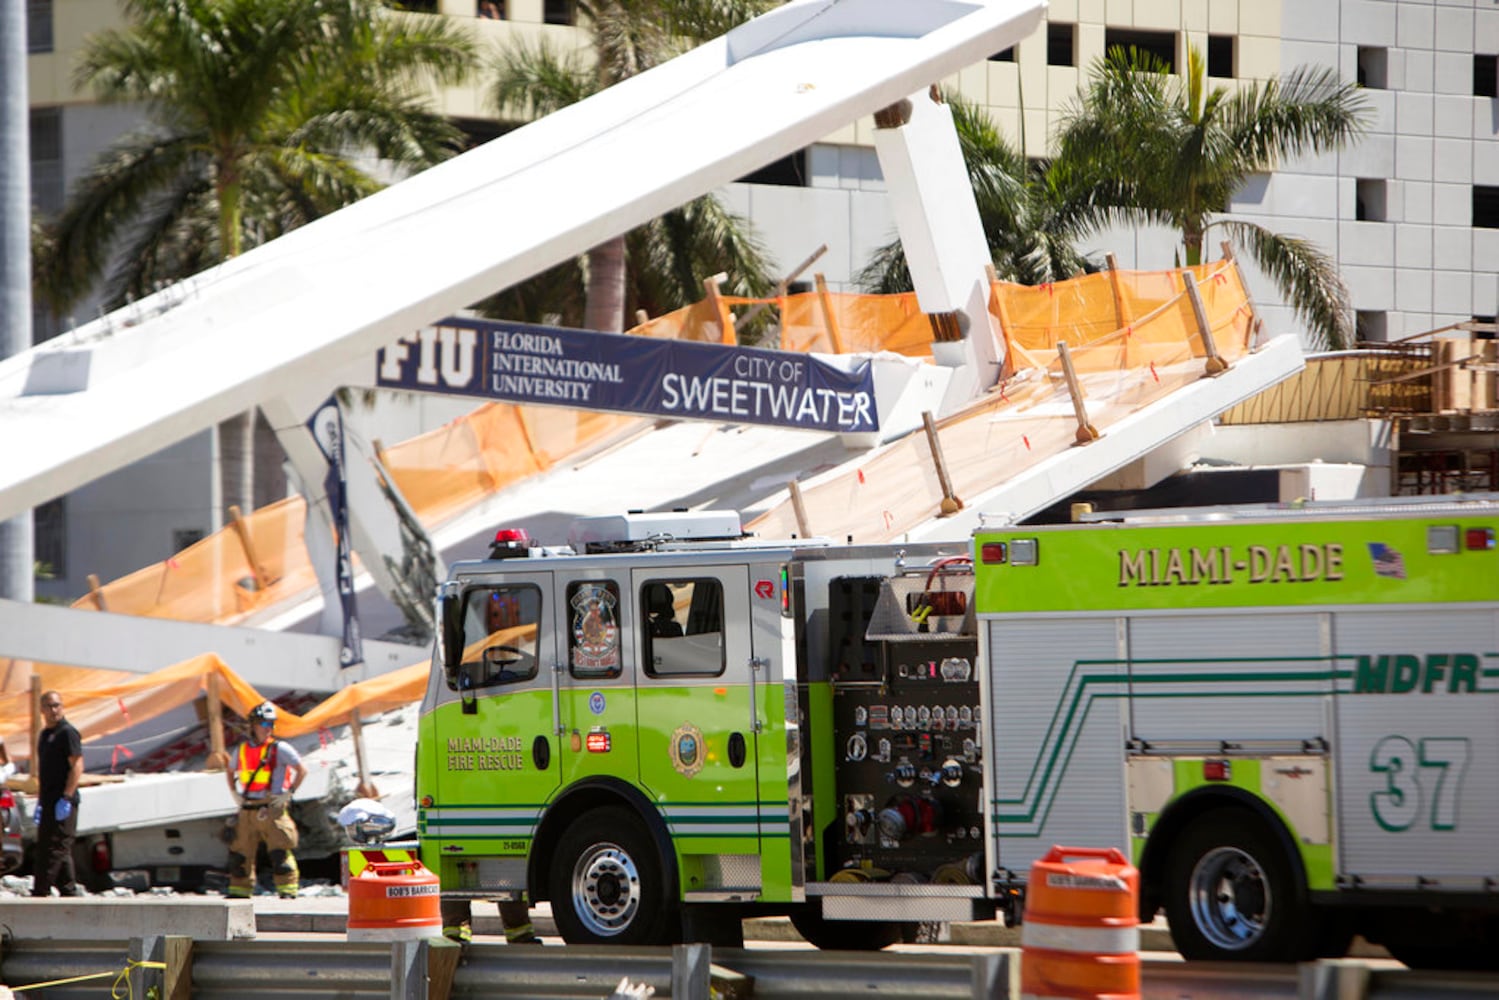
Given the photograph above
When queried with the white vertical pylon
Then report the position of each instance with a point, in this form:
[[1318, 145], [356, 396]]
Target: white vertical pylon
[[939, 225]]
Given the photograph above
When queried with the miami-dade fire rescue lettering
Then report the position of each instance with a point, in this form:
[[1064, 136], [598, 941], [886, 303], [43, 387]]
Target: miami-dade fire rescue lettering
[[537, 364]]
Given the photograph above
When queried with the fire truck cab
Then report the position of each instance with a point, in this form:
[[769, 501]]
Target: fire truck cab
[[668, 716]]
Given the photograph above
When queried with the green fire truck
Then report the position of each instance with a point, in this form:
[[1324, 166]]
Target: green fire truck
[[1286, 716]]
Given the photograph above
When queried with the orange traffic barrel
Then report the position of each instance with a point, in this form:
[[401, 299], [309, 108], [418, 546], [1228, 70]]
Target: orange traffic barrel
[[1081, 934], [394, 901]]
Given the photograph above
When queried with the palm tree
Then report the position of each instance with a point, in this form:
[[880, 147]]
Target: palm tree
[[628, 37], [1031, 214], [257, 111], [1158, 148]]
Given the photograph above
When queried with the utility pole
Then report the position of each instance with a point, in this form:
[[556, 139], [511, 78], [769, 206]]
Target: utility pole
[[17, 555]]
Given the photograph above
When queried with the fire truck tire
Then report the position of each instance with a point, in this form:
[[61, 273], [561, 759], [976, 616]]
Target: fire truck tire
[[845, 935], [607, 882], [1231, 894]]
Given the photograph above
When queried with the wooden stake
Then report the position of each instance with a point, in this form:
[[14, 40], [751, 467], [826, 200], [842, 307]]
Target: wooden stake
[[95, 591], [950, 502], [781, 289], [177, 956], [725, 317], [799, 508], [1121, 311], [242, 528], [218, 757], [1086, 432], [1256, 325], [829, 318], [1215, 364], [365, 787]]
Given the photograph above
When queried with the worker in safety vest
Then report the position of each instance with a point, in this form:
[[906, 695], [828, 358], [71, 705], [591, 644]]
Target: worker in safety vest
[[265, 773]]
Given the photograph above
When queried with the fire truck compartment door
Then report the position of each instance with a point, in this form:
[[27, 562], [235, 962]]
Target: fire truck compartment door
[[698, 716]]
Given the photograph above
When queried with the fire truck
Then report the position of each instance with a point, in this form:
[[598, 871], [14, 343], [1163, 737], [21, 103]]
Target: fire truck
[[1286, 716]]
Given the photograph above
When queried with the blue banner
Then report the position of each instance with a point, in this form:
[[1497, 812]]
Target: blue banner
[[522, 363], [327, 427]]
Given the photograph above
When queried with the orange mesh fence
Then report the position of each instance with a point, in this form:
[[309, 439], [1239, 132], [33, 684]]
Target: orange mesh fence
[[1031, 417], [101, 706]]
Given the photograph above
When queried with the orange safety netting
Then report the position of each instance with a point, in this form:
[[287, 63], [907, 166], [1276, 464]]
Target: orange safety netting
[[1030, 417], [1133, 338], [100, 706]]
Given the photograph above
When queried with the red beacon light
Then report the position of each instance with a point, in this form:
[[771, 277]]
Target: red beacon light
[[509, 543]]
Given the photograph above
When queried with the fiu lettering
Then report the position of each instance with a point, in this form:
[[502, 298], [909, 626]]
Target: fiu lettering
[[1176, 567], [1401, 673]]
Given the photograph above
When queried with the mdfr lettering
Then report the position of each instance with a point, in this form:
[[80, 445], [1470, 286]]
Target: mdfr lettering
[[1402, 673]]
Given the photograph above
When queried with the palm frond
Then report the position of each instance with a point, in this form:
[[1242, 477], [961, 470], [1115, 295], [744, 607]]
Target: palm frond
[[1305, 275]]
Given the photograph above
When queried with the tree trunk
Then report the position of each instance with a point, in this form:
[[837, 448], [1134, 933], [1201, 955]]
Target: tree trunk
[[237, 461], [604, 308]]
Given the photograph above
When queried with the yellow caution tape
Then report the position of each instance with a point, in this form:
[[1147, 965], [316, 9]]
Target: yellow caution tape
[[119, 991]]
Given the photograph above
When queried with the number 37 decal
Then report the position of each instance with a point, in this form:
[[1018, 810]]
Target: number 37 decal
[[1422, 781]]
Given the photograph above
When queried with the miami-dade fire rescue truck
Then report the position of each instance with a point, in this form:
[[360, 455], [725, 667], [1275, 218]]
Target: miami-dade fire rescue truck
[[1289, 718]]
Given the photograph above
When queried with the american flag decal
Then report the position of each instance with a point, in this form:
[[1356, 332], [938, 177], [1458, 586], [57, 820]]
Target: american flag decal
[[1387, 561]]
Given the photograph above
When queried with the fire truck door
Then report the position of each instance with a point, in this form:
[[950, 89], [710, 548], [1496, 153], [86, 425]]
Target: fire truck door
[[498, 762], [696, 707]]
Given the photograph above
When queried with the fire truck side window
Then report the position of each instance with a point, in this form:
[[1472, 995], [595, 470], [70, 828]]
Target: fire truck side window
[[683, 632], [499, 635], [593, 629]]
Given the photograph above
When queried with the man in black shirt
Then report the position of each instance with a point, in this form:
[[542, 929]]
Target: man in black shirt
[[59, 769]]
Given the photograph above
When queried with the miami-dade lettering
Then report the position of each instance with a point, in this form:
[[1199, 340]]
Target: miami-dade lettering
[[1217, 565]]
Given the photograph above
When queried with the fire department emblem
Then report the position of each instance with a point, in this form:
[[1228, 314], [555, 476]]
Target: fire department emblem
[[595, 628], [687, 749]]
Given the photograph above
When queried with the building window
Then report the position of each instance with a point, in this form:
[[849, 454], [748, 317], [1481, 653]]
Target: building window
[[559, 12], [1485, 75], [1369, 200], [1161, 44], [45, 135], [39, 25], [1060, 50], [788, 171], [185, 538], [1485, 207], [1004, 55], [1371, 327], [1221, 56], [1373, 67], [49, 534], [492, 10]]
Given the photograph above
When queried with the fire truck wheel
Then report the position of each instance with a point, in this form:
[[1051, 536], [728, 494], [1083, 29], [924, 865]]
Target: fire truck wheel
[[844, 935], [607, 882], [1230, 895]]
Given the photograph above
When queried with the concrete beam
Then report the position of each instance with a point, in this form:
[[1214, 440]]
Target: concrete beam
[[51, 634], [120, 920]]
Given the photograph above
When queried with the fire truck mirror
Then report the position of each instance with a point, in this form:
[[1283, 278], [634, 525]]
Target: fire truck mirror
[[466, 691], [452, 635]]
